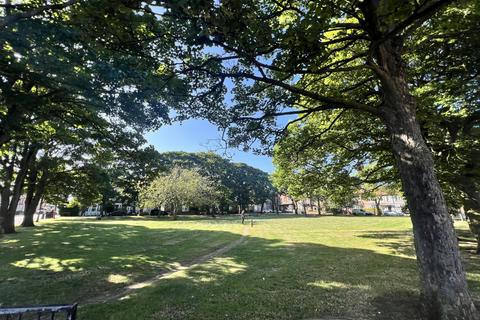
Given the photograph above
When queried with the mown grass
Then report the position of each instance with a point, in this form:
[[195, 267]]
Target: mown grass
[[288, 267]]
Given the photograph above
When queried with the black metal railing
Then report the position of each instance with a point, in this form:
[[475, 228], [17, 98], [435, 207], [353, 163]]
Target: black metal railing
[[64, 311]]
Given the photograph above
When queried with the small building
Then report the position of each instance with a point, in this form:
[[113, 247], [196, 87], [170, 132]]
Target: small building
[[393, 203]]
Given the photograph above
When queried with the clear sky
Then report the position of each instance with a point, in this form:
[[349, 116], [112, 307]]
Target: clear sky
[[199, 135]]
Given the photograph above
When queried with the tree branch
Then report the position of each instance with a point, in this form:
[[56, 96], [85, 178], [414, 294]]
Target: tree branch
[[9, 19]]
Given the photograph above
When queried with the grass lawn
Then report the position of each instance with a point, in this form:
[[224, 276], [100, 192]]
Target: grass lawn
[[284, 268]]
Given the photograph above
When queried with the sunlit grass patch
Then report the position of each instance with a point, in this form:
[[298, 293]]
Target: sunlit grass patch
[[117, 278], [49, 264]]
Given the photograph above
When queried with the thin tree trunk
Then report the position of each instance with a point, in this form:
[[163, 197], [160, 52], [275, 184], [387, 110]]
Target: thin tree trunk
[[174, 213], [319, 210], [444, 286], [39, 209], [471, 203], [377, 206]]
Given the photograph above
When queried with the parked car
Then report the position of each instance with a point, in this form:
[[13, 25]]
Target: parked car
[[118, 213], [91, 213], [392, 213], [50, 215], [361, 212]]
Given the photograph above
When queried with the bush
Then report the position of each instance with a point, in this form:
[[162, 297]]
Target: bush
[[337, 211], [69, 211]]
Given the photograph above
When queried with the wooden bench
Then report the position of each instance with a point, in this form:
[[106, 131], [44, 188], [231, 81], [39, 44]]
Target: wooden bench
[[64, 311]]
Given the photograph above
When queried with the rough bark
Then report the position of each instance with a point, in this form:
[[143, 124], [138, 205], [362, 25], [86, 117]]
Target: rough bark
[[444, 286]]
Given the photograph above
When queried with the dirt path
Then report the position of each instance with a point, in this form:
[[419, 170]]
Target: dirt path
[[123, 292]]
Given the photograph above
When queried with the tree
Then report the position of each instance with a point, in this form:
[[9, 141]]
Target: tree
[[238, 184], [179, 188], [302, 169], [55, 73], [320, 56]]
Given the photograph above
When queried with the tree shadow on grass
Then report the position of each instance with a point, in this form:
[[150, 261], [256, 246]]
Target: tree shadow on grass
[[68, 261], [399, 242], [259, 279], [265, 279]]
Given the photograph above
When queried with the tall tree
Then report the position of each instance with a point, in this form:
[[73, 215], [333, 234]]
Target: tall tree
[[61, 65], [318, 56]]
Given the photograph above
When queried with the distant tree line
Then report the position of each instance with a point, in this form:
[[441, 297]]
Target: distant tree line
[[237, 185]]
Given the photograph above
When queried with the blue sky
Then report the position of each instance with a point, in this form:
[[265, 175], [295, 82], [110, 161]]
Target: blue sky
[[199, 135], [196, 135]]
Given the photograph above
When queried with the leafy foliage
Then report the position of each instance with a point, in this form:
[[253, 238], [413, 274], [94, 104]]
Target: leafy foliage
[[179, 188], [238, 184]]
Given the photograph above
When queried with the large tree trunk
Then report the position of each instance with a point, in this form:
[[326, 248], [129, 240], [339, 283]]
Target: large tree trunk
[[28, 155], [35, 191], [8, 170], [31, 186], [10, 198], [444, 286], [28, 218]]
